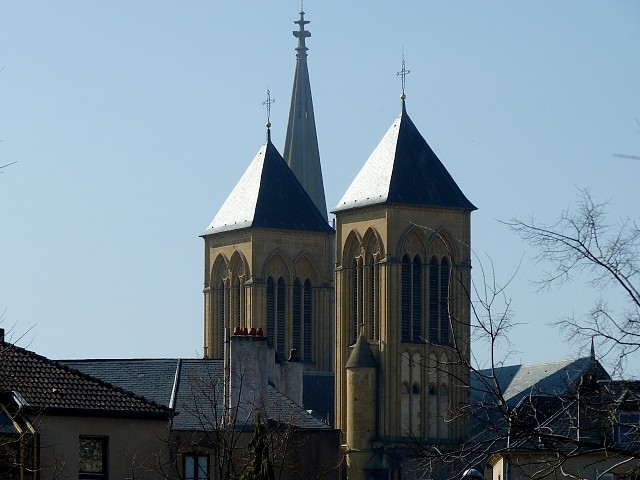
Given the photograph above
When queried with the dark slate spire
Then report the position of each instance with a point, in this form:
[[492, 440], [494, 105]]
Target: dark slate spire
[[404, 170], [268, 196], [301, 144]]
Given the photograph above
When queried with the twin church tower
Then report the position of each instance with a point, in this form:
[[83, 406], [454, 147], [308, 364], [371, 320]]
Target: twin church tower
[[382, 300]]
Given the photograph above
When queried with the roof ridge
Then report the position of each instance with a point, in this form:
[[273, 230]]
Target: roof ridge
[[571, 360]]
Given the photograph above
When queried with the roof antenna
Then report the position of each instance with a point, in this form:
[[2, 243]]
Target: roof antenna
[[268, 103], [403, 75]]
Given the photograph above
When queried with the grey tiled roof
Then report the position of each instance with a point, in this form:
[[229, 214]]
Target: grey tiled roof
[[403, 170], [197, 395], [150, 378], [516, 381], [268, 196], [50, 385], [542, 388]]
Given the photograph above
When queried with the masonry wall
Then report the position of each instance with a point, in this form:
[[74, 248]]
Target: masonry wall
[[136, 447], [243, 260]]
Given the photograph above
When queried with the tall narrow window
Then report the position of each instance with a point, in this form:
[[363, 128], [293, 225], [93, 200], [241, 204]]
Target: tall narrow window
[[308, 321], [297, 314], [416, 300], [354, 304], [372, 298], [433, 300], [406, 299], [280, 317], [444, 301], [237, 303], [411, 299], [221, 322], [271, 312]]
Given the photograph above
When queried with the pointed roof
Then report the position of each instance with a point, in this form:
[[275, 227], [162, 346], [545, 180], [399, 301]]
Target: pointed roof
[[404, 170], [301, 143], [361, 356], [268, 196]]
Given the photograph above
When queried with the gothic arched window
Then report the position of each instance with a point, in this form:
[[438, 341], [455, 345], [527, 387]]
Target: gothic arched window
[[411, 299], [303, 319], [444, 301], [276, 301], [271, 312], [297, 315], [354, 305], [439, 284], [220, 313], [307, 336], [373, 307], [280, 317]]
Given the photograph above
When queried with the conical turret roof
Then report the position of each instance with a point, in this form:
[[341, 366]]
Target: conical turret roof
[[404, 170], [268, 196], [361, 356]]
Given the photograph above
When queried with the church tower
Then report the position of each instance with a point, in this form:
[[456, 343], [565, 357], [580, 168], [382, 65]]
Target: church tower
[[269, 251], [403, 310], [268, 263]]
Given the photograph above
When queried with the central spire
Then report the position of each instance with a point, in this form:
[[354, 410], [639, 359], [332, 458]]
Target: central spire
[[301, 144]]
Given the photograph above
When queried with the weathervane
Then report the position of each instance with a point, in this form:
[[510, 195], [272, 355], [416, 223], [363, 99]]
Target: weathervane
[[268, 103], [403, 74]]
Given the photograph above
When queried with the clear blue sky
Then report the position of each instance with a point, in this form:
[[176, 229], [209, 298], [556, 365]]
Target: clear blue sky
[[130, 123]]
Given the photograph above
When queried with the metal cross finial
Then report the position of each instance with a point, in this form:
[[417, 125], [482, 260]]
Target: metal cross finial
[[268, 103], [301, 34], [403, 74]]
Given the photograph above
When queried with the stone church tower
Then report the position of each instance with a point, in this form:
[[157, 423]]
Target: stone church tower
[[402, 306], [269, 250]]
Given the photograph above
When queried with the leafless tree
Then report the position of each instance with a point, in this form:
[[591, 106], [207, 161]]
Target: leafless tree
[[226, 441], [584, 244]]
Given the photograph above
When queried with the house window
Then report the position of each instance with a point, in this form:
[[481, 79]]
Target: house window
[[196, 467], [93, 457]]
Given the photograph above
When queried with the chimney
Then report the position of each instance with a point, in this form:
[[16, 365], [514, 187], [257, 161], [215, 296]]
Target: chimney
[[293, 384], [247, 392]]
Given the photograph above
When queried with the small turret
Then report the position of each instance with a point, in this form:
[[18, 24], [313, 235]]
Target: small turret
[[362, 405]]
